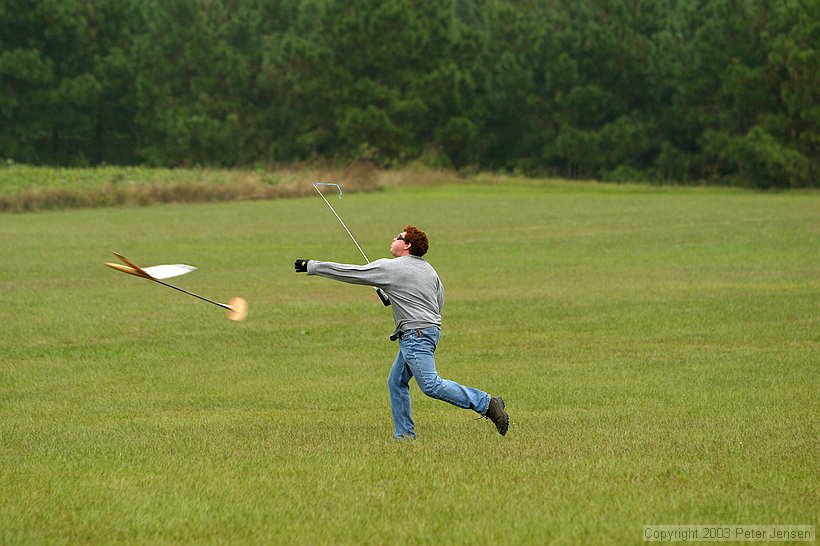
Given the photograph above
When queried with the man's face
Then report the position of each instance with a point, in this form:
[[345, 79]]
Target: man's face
[[400, 247]]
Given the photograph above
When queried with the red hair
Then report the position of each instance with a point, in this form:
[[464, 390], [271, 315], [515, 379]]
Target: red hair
[[417, 239]]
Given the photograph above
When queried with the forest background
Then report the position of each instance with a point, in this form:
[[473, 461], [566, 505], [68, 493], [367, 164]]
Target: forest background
[[683, 91]]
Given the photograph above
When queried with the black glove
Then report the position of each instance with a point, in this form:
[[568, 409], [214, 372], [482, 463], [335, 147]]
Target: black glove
[[300, 266]]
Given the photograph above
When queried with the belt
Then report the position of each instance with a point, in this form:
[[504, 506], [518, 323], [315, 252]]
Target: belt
[[398, 335]]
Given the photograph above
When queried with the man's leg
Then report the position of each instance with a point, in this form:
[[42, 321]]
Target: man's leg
[[399, 388], [417, 351]]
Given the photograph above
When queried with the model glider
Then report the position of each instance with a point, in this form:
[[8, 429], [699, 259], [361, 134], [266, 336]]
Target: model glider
[[237, 307]]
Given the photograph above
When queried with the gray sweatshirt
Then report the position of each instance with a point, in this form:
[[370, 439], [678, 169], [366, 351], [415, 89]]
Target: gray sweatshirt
[[411, 283]]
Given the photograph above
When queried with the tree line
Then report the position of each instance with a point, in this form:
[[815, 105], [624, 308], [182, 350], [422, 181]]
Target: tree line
[[716, 91]]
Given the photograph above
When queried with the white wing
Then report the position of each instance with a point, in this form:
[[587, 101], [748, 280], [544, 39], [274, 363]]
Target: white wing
[[168, 271]]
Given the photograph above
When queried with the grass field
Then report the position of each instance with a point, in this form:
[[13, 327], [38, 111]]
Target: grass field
[[658, 350]]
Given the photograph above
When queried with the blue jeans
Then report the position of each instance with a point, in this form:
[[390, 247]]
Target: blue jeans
[[415, 359]]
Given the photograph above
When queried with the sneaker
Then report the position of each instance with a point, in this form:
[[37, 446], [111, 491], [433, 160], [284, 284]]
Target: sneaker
[[495, 413]]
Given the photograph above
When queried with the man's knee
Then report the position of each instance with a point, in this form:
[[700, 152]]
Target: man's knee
[[431, 386], [395, 380]]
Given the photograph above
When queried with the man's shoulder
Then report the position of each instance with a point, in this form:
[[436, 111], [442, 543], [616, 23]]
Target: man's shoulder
[[419, 265], [413, 261]]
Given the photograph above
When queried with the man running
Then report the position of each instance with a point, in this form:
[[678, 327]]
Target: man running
[[417, 296]]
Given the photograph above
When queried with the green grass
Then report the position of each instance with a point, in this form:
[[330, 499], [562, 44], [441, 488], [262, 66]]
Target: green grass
[[657, 349]]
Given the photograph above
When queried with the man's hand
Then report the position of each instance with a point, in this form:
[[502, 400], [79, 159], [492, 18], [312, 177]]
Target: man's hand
[[300, 266]]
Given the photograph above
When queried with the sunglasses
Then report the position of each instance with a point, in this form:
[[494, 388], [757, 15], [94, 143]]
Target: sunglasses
[[399, 238]]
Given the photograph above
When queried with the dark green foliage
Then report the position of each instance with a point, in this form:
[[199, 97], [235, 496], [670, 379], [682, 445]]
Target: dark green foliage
[[722, 91]]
